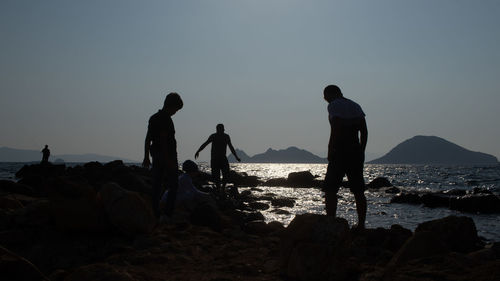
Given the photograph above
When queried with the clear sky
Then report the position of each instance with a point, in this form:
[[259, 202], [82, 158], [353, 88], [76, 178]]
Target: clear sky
[[85, 76]]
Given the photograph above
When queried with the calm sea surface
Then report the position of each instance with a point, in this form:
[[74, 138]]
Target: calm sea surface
[[380, 212]]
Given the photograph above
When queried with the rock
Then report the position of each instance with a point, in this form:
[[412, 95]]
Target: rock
[[479, 190], [37, 214], [8, 203], [243, 179], [455, 192], [378, 183], [13, 187], [98, 272], [304, 178], [114, 164], [258, 205], [14, 267], [392, 190], [207, 215], [282, 202], [459, 234], [421, 244], [127, 210], [434, 200], [276, 182], [41, 170], [75, 207], [306, 245], [253, 216], [482, 203], [280, 212], [407, 198], [261, 228], [472, 203]]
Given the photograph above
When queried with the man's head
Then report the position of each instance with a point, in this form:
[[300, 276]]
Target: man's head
[[332, 92], [189, 167], [173, 103], [220, 128], [46, 146]]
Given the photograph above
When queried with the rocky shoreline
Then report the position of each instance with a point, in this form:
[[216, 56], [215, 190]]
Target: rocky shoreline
[[94, 222]]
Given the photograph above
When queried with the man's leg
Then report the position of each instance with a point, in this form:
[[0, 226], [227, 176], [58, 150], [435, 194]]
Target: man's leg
[[333, 179], [225, 173], [357, 186], [361, 208], [172, 186], [215, 173], [158, 173]]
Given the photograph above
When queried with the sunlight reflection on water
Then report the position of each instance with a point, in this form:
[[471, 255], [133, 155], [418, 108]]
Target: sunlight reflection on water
[[380, 212]]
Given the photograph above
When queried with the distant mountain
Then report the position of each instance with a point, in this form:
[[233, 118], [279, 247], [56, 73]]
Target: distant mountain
[[433, 150], [289, 155], [24, 155]]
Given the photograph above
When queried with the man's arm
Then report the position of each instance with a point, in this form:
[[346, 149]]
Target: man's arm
[[147, 147], [363, 134], [232, 149], [334, 130], [209, 140]]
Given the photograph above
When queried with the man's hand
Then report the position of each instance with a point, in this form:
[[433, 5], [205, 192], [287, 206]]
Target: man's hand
[[196, 155], [146, 163]]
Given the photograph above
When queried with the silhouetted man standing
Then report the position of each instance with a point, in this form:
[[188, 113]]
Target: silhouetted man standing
[[45, 155], [219, 161], [346, 151], [161, 144]]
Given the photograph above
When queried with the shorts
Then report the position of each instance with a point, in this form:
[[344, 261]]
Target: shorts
[[350, 164]]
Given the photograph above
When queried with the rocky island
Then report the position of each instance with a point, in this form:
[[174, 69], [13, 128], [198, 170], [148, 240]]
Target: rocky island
[[433, 150]]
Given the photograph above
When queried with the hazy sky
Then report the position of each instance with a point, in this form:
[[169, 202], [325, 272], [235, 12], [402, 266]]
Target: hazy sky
[[85, 76]]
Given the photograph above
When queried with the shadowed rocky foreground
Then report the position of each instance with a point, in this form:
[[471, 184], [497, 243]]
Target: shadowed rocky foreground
[[94, 222]]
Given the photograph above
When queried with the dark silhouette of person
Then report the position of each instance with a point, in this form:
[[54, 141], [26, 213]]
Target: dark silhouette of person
[[45, 155], [346, 151], [220, 141], [161, 144]]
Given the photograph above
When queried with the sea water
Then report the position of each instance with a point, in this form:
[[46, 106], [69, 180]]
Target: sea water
[[381, 213]]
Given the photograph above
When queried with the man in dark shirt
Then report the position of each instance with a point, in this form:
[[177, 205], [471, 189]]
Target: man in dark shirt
[[346, 151], [220, 141], [161, 144]]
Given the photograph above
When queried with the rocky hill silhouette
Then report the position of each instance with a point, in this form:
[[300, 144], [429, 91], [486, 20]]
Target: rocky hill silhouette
[[289, 155], [433, 150]]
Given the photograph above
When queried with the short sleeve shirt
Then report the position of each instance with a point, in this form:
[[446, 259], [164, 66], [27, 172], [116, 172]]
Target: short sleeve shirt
[[161, 131]]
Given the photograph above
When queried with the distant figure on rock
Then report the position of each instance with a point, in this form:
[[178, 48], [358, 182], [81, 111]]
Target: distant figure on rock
[[346, 151], [45, 155], [161, 144], [220, 141]]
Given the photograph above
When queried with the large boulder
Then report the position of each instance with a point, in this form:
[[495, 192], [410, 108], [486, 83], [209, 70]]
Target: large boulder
[[459, 234], [127, 210], [304, 178], [17, 188], [16, 268], [437, 237], [75, 207], [307, 244]]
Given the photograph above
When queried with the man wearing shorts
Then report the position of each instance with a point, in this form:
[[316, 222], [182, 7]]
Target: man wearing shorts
[[219, 163], [346, 151]]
